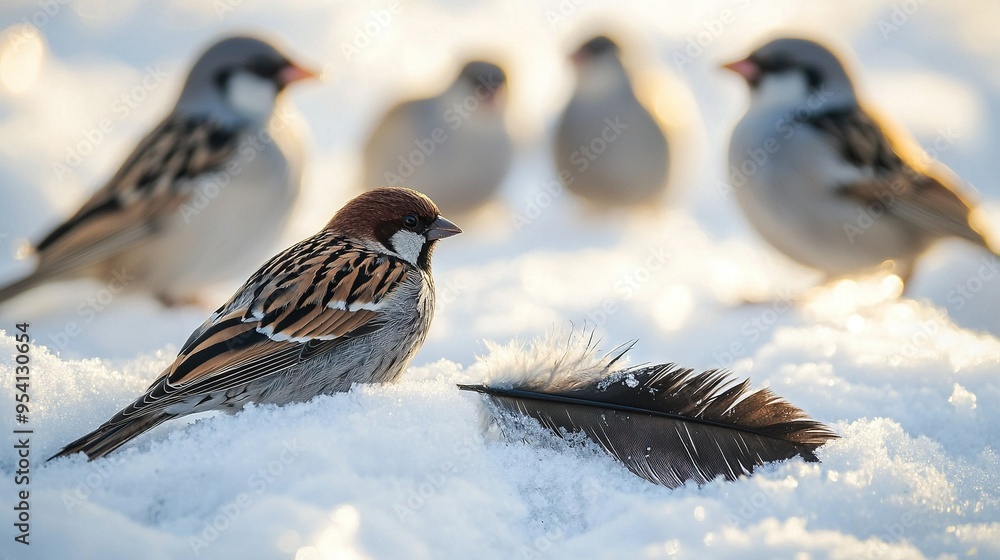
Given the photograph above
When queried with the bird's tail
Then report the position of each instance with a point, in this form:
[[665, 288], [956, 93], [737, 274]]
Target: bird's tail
[[981, 231], [110, 436], [24, 284]]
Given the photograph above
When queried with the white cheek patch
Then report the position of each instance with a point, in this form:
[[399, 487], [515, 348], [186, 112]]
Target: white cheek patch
[[251, 95], [785, 89], [407, 245]]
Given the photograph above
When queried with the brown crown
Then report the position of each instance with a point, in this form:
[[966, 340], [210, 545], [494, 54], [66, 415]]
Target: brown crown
[[367, 211]]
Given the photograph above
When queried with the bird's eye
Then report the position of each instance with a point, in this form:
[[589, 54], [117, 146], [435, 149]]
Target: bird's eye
[[410, 222]]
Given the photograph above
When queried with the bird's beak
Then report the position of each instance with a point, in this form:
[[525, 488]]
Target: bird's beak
[[746, 68], [293, 73], [441, 228]]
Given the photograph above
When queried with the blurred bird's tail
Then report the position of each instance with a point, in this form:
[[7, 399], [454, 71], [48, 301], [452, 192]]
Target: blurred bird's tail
[[112, 435], [981, 230], [23, 285]]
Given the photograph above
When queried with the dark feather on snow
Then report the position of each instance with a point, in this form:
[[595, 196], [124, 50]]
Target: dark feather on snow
[[670, 425]]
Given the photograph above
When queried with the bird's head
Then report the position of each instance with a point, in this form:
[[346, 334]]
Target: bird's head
[[397, 221], [243, 75], [599, 68], [485, 82], [794, 71], [595, 50]]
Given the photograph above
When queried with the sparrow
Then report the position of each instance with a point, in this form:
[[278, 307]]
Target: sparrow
[[351, 304], [191, 203], [609, 148], [455, 146], [823, 181]]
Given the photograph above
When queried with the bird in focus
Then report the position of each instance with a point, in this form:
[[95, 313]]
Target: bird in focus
[[455, 146], [609, 148], [351, 304], [823, 181], [192, 203], [665, 424]]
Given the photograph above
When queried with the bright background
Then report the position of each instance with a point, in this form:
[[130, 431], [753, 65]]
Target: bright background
[[909, 383]]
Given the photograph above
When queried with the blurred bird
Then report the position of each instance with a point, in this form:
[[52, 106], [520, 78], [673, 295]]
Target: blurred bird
[[823, 181], [665, 424], [351, 304], [609, 148], [200, 197], [455, 147]]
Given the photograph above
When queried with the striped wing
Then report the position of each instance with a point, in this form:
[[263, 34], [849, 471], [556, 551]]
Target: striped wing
[[152, 184], [305, 301], [927, 203], [922, 201]]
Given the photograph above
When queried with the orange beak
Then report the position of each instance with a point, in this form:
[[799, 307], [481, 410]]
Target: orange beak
[[746, 68], [294, 73]]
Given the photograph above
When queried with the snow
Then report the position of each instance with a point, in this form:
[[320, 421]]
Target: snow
[[407, 471]]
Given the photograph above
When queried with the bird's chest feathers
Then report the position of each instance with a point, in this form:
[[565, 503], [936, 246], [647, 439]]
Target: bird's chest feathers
[[251, 95], [486, 124], [601, 81]]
